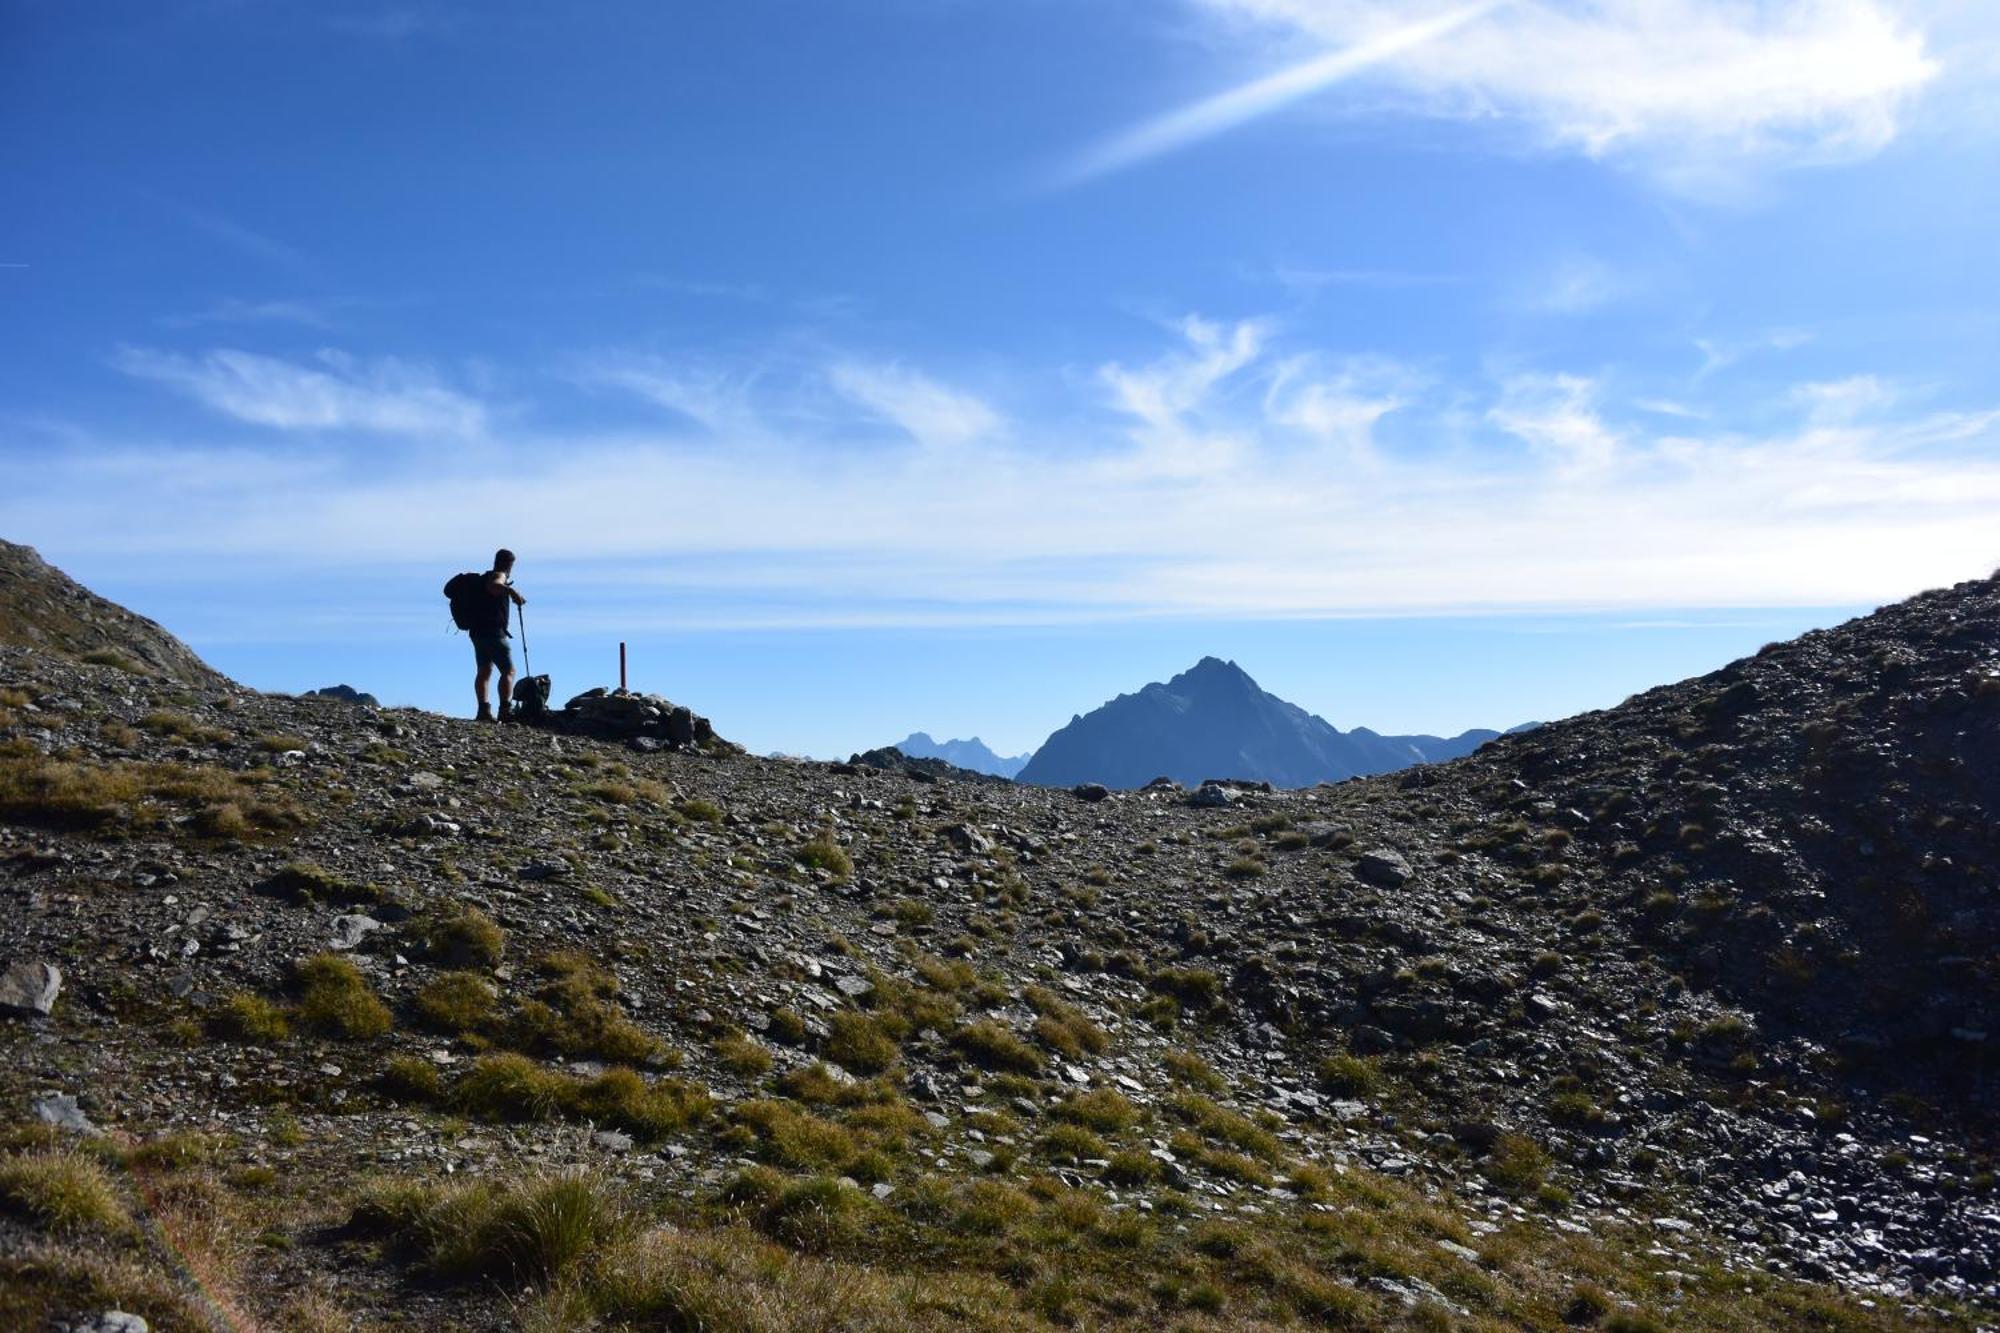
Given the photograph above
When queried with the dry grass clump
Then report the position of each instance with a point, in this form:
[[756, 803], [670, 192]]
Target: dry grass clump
[[335, 999], [628, 790], [249, 1017], [463, 938], [304, 883], [1224, 1125], [991, 1045], [177, 726], [1198, 988], [1190, 1070], [1064, 1028], [743, 1056], [1103, 1109], [571, 1014], [1071, 1145], [112, 657], [784, 1135], [457, 1002], [62, 1191], [817, 1085], [411, 1078], [540, 1230], [45, 792], [735, 1281], [1349, 1075], [509, 1086], [1515, 1164], [701, 811], [859, 1043], [823, 853]]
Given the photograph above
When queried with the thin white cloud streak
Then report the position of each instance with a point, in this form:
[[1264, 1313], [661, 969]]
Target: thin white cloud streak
[[339, 394], [1688, 86], [237, 311], [1212, 116], [927, 411], [1232, 479]]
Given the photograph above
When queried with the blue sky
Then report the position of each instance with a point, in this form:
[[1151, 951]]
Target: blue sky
[[875, 365]]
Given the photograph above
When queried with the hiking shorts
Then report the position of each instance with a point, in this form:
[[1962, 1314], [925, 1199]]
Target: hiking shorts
[[493, 650]]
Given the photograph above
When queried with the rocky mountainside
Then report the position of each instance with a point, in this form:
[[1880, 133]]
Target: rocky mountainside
[[973, 755], [1673, 1016], [1212, 721], [43, 608]]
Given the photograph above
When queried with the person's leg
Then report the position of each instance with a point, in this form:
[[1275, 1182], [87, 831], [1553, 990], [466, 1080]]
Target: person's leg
[[503, 658], [479, 682]]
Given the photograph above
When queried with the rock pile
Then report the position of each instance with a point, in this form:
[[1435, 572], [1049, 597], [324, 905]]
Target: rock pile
[[646, 722]]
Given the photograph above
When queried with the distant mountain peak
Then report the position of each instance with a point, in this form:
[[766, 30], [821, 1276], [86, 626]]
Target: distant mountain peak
[[973, 754], [1214, 670], [1214, 718]]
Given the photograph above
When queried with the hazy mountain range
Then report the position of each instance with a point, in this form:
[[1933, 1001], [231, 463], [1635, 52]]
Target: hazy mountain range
[[973, 754]]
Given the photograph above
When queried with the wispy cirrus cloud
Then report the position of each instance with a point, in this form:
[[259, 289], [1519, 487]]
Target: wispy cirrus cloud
[[1230, 474], [338, 393], [232, 310], [929, 412], [1688, 87]]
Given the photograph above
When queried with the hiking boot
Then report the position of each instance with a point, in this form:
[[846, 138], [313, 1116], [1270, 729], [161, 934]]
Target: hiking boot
[[485, 713], [506, 711]]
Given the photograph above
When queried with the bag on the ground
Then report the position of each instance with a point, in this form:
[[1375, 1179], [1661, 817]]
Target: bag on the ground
[[466, 592], [531, 696]]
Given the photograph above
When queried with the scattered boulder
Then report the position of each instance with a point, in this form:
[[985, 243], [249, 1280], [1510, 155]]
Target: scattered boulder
[[350, 930], [29, 990], [60, 1109], [111, 1321], [346, 694], [1383, 867], [1090, 791]]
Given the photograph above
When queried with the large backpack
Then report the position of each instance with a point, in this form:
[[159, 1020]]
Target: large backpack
[[467, 594], [531, 698]]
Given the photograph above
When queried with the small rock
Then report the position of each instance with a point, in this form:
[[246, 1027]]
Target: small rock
[[29, 990], [60, 1109], [1090, 791], [112, 1321], [349, 931], [969, 839], [612, 1140]]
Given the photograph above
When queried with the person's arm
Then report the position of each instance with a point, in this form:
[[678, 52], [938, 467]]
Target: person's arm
[[497, 586]]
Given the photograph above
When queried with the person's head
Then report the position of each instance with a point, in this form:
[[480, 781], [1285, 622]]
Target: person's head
[[503, 560]]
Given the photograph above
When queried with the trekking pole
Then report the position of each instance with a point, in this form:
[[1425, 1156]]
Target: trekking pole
[[527, 667]]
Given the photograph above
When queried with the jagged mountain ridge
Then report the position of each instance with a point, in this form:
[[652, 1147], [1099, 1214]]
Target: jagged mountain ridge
[[1213, 721], [43, 608], [974, 754]]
